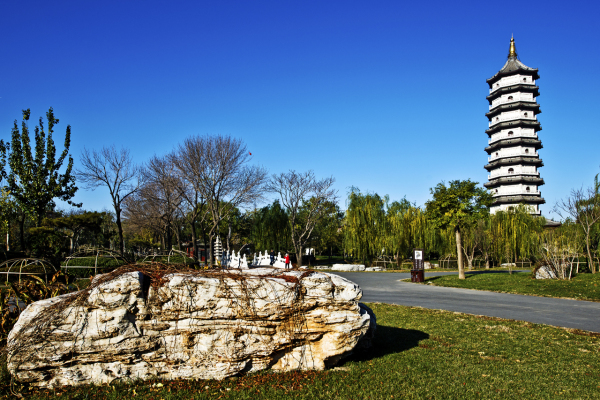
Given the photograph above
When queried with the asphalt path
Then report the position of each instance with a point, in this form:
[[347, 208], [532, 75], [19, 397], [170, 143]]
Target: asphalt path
[[389, 288]]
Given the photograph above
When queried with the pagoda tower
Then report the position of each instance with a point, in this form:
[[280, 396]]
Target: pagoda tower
[[513, 160]]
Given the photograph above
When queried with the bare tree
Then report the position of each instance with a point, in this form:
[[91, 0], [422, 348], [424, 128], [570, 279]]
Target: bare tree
[[162, 192], [306, 199], [114, 169], [583, 207], [216, 166]]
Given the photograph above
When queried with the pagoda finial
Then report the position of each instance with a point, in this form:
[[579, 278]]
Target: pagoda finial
[[512, 53]]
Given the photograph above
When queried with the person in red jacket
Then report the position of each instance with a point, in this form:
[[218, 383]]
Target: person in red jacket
[[287, 261]]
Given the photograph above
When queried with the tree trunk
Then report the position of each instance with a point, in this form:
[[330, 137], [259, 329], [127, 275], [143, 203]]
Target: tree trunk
[[194, 241], [591, 261], [120, 230], [487, 261], [461, 267], [22, 231]]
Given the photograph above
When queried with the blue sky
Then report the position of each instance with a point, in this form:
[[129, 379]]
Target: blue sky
[[387, 96]]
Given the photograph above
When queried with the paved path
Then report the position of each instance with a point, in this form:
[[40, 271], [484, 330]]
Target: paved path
[[388, 288]]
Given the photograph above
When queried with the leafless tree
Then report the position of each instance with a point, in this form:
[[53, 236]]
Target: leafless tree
[[583, 207], [114, 169], [217, 168], [306, 199], [162, 192]]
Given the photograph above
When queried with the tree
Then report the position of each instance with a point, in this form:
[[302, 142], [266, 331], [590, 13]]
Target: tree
[[306, 199], [34, 181], [73, 225], [583, 207], [516, 234], [217, 167], [365, 224], [456, 206], [4, 147], [116, 170]]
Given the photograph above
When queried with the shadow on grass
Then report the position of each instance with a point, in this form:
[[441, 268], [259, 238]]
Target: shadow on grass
[[388, 340]]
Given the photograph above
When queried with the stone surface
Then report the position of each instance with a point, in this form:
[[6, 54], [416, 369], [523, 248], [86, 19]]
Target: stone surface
[[206, 325], [428, 265], [347, 267], [545, 272]]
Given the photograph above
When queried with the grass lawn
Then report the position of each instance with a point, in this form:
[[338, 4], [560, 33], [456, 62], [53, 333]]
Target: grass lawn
[[581, 287], [417, 354]]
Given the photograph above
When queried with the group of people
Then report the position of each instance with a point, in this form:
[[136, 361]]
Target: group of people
[[287, 259]]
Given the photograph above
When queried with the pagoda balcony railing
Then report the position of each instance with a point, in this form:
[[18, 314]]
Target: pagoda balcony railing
[[504, 155], [492, 176], [515, 192], [500, 120], [506, 136]]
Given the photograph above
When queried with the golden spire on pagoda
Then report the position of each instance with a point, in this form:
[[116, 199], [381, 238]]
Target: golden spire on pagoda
[[512, 53]]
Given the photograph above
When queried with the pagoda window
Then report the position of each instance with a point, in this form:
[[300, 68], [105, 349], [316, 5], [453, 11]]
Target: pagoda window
[[497, 119], [510, 97], [524, 79], [524, 114], [526, 151], [496, 154], [527, 189], [510, 133], [496, 190], [511, 170]]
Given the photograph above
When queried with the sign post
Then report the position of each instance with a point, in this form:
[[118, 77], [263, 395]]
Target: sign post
[[417, 274]]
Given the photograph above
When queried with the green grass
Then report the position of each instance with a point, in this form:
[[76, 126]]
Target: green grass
[[417, 354], [581, 287]]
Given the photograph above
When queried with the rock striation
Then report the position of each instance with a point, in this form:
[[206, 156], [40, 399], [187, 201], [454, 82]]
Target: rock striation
[[133, 324]]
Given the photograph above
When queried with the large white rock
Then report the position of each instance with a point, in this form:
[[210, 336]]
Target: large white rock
[[347, 267], [545, 272], [206, 325]]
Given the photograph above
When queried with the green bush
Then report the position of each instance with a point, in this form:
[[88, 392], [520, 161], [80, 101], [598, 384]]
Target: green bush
[[105, 264]]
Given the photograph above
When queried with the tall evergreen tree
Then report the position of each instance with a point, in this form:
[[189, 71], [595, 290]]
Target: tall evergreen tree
[[34, 180]]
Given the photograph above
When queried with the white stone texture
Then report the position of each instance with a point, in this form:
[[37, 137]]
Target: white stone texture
[[545, 272], [206, 325], [347, 267], [372, 269]]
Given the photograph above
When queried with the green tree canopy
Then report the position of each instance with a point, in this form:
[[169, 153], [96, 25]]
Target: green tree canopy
[[34, 179], [456, 206]]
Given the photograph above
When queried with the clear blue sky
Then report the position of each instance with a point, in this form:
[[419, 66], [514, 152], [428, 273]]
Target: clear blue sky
[[387, 96]]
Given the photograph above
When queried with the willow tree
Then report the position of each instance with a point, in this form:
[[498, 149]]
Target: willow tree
[[516, 234], [457, 206], [407, 228], [364, 225]]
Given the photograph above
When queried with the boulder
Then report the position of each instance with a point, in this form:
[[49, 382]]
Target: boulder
[[347, 267], [132, 324], [371, 269], [428, 265], [545, 272]]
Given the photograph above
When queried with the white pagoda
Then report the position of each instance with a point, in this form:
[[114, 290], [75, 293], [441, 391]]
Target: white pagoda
[[513, 160]]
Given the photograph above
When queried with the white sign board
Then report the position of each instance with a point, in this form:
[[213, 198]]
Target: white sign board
[[418, 254]]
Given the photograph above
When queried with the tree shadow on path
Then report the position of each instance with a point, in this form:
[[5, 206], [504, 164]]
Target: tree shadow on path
[[388, 340]]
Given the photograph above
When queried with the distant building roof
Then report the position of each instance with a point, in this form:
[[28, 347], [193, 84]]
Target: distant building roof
[[552, 224]]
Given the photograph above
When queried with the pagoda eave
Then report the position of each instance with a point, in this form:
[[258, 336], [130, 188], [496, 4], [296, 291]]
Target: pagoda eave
[[513, 180], [533, 72], [500, 144], [518, 199], [527, 123], [525, 88], [514, 161], [519, 105]]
